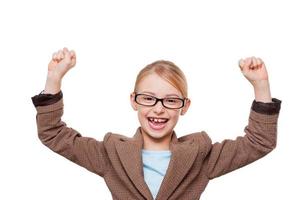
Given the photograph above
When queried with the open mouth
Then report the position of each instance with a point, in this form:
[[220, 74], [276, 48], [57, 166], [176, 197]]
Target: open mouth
[[157, 123]]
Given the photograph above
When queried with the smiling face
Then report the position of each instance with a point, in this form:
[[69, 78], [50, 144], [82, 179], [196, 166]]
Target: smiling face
[[157, 122]]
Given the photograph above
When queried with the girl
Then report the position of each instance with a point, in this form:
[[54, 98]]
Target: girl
[[155, 163]]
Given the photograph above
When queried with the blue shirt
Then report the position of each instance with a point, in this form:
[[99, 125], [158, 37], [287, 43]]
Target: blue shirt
[[155, 164]]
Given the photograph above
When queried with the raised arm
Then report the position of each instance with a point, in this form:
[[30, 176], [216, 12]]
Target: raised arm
[[53, 132], [260, 133]]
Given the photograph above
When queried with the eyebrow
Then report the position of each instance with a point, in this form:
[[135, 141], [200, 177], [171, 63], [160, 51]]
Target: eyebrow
[[168, 95]]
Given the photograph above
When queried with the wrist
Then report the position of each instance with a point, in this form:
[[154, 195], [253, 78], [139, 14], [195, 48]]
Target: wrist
[[261, 84], [54, 77], [52, 85], [262, 91]]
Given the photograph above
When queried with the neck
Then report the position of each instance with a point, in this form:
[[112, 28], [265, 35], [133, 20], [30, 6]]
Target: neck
[[150, 143]]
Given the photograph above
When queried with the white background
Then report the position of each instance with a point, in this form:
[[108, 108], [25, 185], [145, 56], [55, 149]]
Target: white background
[[113, 41]]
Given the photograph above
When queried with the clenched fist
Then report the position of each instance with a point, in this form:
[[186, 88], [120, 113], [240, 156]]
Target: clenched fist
[[253, 69], [62, 61]]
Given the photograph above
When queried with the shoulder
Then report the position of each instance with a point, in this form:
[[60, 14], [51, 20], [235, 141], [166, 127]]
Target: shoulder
[[111, 137], [197, 136], [200, 138]]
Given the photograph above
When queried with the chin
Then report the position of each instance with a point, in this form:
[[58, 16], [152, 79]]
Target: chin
[[157, 134]]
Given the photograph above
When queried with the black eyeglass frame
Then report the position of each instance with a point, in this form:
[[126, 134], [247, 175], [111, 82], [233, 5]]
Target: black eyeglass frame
[[161, 100]]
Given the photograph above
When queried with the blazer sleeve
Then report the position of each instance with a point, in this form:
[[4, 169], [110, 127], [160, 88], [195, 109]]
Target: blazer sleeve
[[66, 141], [259, 139], [43, 99]]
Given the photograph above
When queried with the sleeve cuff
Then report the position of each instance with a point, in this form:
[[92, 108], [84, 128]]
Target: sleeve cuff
[[270, 108], [46, 99]]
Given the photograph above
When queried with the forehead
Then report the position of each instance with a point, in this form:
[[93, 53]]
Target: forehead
[[155, 85]]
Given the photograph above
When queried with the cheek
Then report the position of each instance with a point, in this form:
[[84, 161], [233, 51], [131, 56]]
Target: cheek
[[174, 116], [142, 113]]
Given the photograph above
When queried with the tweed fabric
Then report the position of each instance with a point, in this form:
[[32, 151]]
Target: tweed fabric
[[195, 159]]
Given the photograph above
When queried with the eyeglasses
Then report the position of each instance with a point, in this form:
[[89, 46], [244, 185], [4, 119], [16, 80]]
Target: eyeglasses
[[169, 102]]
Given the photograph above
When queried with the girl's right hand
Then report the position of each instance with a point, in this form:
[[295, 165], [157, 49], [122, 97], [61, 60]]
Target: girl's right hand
[[62, 61]]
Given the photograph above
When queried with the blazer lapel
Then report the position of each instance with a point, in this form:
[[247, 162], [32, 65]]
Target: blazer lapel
[[182, 158], [129, 152]]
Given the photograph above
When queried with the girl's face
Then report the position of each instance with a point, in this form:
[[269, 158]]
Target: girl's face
[[157, 122]]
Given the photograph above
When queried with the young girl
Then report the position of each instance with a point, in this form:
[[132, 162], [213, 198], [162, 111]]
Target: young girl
[[155, 163]]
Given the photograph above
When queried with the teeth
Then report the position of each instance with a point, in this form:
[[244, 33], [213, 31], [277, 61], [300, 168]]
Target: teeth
[[158, 120]]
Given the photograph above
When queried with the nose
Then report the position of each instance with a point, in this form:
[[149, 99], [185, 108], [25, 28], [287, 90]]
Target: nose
[[159, 108]]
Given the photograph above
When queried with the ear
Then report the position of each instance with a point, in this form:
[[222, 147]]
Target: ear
[[133, 103], [186, 106]]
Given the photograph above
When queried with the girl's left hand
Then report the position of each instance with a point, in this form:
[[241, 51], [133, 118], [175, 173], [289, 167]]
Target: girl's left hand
[[254, 70]]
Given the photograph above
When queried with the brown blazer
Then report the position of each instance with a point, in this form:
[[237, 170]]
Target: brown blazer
[[194, 161]]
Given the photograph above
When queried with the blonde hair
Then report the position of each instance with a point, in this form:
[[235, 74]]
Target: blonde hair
[[168, 71]]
